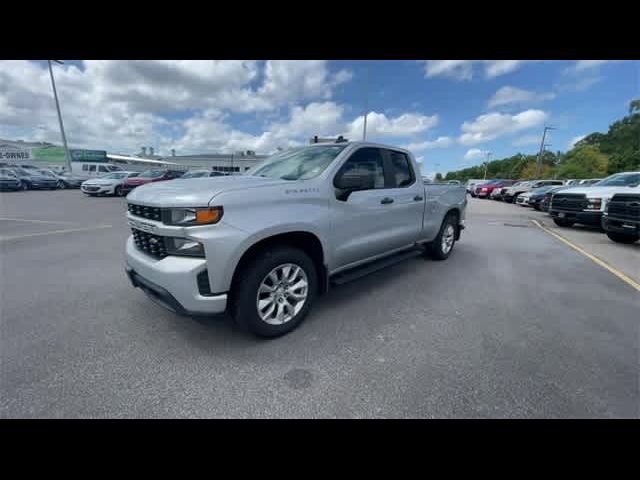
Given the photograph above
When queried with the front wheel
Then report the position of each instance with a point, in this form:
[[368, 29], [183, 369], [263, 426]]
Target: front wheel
[[622, 238], [442, 246], [61, 185], [24, 186], [563, 222], [118, 191], [274, 292]]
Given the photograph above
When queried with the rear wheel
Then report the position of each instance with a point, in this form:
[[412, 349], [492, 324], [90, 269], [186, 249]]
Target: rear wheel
[[442, 246], [274, 291], [24, 186], [61, 185], [623, 238], [563, 222]]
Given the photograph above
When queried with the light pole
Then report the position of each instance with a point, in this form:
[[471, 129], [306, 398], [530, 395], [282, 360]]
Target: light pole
[[542, 145], [366, 104], [67, 156], [486, 165]]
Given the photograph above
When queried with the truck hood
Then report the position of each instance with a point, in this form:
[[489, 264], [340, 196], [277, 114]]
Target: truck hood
[[194, 192], [599, 192]]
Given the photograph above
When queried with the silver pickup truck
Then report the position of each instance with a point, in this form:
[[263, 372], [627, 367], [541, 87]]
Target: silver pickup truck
[[263, 245]]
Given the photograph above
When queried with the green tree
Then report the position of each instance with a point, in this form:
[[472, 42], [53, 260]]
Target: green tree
[[584, 161], [439, 177]]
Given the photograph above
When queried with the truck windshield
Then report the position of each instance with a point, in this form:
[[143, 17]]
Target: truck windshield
[[298, 163], [620, 180]]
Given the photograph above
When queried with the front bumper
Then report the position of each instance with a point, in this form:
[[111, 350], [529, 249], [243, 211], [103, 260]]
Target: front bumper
[[10, 185], [95, 189], [619, 225], [172, 282], [586, 218]]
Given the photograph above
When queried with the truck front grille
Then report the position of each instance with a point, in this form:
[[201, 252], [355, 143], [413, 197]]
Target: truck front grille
[[571, 202], [625, 207], [152, 213], [150, 244]]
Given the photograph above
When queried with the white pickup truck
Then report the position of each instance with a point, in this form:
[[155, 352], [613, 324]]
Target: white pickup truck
[[264, 244]]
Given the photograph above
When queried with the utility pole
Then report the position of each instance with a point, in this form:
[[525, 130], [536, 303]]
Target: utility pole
[[542, 145], [486, 165], [366, 104], [67, 156]]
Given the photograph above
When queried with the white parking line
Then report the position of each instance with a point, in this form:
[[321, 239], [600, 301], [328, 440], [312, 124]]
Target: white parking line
[[51, 232], [28, 220], [591, 257]]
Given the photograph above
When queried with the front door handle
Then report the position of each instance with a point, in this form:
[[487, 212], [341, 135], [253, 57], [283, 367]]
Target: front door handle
[[386, 200], [417, 198]]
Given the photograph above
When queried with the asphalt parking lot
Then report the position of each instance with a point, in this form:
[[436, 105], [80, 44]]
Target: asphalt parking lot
[[515, 324]]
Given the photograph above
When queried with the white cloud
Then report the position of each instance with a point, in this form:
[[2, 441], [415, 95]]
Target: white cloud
[[463, 69], [575, 140], [121, 105], [582, 65], [493, 125], [512, 95], [474, 154], [378, 124], [456, 69], [440, 142], [495, 68]]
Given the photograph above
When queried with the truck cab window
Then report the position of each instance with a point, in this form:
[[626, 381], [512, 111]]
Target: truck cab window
[[366, 161]]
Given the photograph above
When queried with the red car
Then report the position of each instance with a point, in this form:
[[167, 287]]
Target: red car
[[485, 189], [148, 177]]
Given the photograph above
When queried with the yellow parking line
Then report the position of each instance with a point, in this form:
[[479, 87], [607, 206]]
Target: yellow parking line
[[34, 221], [51, 232], [591, 257]]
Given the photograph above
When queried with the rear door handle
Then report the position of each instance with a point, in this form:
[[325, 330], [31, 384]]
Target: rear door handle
[[386, 200], [417, 198]]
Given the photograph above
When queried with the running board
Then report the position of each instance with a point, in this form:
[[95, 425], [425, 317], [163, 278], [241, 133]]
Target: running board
[[359, 272]]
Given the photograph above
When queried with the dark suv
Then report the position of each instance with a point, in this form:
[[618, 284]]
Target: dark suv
[[148, 176]]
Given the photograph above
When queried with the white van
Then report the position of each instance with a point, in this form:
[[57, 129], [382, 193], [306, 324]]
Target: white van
[[94, 169]]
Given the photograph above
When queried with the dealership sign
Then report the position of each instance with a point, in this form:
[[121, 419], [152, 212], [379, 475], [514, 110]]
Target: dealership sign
[[56, 155], [12, 153]]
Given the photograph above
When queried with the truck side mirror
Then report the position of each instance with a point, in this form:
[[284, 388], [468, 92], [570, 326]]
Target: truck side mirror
[[352, 182]]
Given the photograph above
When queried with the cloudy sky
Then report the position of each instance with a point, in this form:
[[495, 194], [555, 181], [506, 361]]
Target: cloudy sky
[[449, 112]]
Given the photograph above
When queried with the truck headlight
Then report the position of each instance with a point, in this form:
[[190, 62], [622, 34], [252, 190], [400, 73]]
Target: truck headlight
[[194, 216], [183, 246], [594, 204]]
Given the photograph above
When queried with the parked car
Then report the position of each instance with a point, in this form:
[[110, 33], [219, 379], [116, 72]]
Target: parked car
[[546, 199], [64, 180], [621, 217], [537, 195], [471, 183], [453, 182], [31, 179], [586, 205], [201, 173], [485, 189], [264, 244], [588, 181], [511, 194], [523, 199], [110, 184], [9, 180], [150, 176]]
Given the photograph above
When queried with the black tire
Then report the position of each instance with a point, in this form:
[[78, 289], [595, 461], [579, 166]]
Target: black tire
[[61, 185], [244, 295], [622, 238], [563, 222], [118, 191], [435, 248], [24, 185]]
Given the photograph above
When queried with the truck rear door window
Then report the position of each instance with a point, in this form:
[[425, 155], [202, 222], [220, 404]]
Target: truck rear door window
[[401, 170]]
